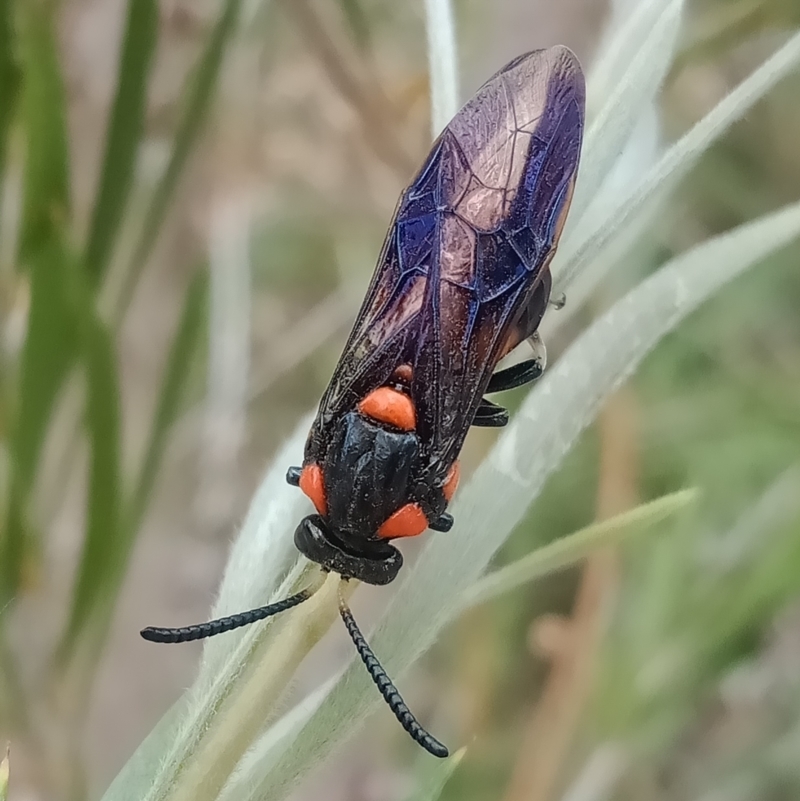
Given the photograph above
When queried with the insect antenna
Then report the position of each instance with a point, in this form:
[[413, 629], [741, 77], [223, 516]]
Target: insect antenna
[[223, 624], [385, 685]]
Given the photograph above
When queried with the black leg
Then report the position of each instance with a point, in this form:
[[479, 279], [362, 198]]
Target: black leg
[[490, 415], [293, 476], [442, 523], [516, 376]]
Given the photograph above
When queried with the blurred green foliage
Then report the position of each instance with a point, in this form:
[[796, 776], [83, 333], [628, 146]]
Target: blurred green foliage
[[70, 337]]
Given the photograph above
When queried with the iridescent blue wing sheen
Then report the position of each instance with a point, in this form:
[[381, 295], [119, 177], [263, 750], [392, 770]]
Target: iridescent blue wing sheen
[[468, 250]]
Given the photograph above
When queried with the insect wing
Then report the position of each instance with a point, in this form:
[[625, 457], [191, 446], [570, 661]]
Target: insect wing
[[467, 249], [506, 174]]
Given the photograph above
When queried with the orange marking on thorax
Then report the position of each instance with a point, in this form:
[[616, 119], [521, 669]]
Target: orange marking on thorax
[[313, 484], [407, 521], [387, 405], [451, 482]]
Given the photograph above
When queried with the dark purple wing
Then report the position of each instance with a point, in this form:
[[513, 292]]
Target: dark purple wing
[[467, 249]]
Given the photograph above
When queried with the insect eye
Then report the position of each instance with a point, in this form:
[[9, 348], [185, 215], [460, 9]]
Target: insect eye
[[312, 484], [407, 521]]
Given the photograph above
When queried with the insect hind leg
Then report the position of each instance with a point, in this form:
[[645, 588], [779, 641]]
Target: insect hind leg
[[490, 415], [524, 372]]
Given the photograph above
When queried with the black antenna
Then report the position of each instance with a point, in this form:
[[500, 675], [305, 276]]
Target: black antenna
[[214, 627], [385, 686]]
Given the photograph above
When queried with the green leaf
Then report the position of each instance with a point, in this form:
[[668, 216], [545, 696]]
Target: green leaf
[[434, 775], [104, 535], [184, 348], [124, 135], [198, 103], [50, 343], [9, 77], [46, 191], [574, 547], [49, 351]]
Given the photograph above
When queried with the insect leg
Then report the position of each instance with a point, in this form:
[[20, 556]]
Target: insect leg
[[442, 523], [490, 415], [385, 685], [223, 624], [524, 372], [516, 376], [293, 476]]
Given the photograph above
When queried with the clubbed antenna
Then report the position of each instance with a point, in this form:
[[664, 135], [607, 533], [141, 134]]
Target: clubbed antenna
[[223, 624], [385, 685]]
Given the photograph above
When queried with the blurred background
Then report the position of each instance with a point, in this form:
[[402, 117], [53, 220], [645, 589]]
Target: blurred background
[[181, 256]]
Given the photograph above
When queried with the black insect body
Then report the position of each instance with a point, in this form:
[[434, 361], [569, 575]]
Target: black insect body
[[462, 280]]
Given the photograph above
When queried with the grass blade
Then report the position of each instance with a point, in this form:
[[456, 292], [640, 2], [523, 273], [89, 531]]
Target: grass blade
[[574, 547], [46, 189], [547, 425], [104, 533], [184, 347], [649, 59], [49, 352], [197, 105], [442, 63], [577, 252], [9, 78], [124, 134], [50, 343]]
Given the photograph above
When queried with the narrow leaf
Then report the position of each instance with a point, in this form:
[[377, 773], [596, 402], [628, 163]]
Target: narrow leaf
[[125, 129], [581, 249], [574, 547], [49, 351], [50, 342], [628, 100], [184, 347], [9, 77], [46, 190], [104, 535], [442, 63], [200, 97]]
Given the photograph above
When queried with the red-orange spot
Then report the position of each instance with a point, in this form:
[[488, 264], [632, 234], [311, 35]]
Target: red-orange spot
[[313, 484], [407, 521], [451, 482], [387, 405], [404, 373]]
